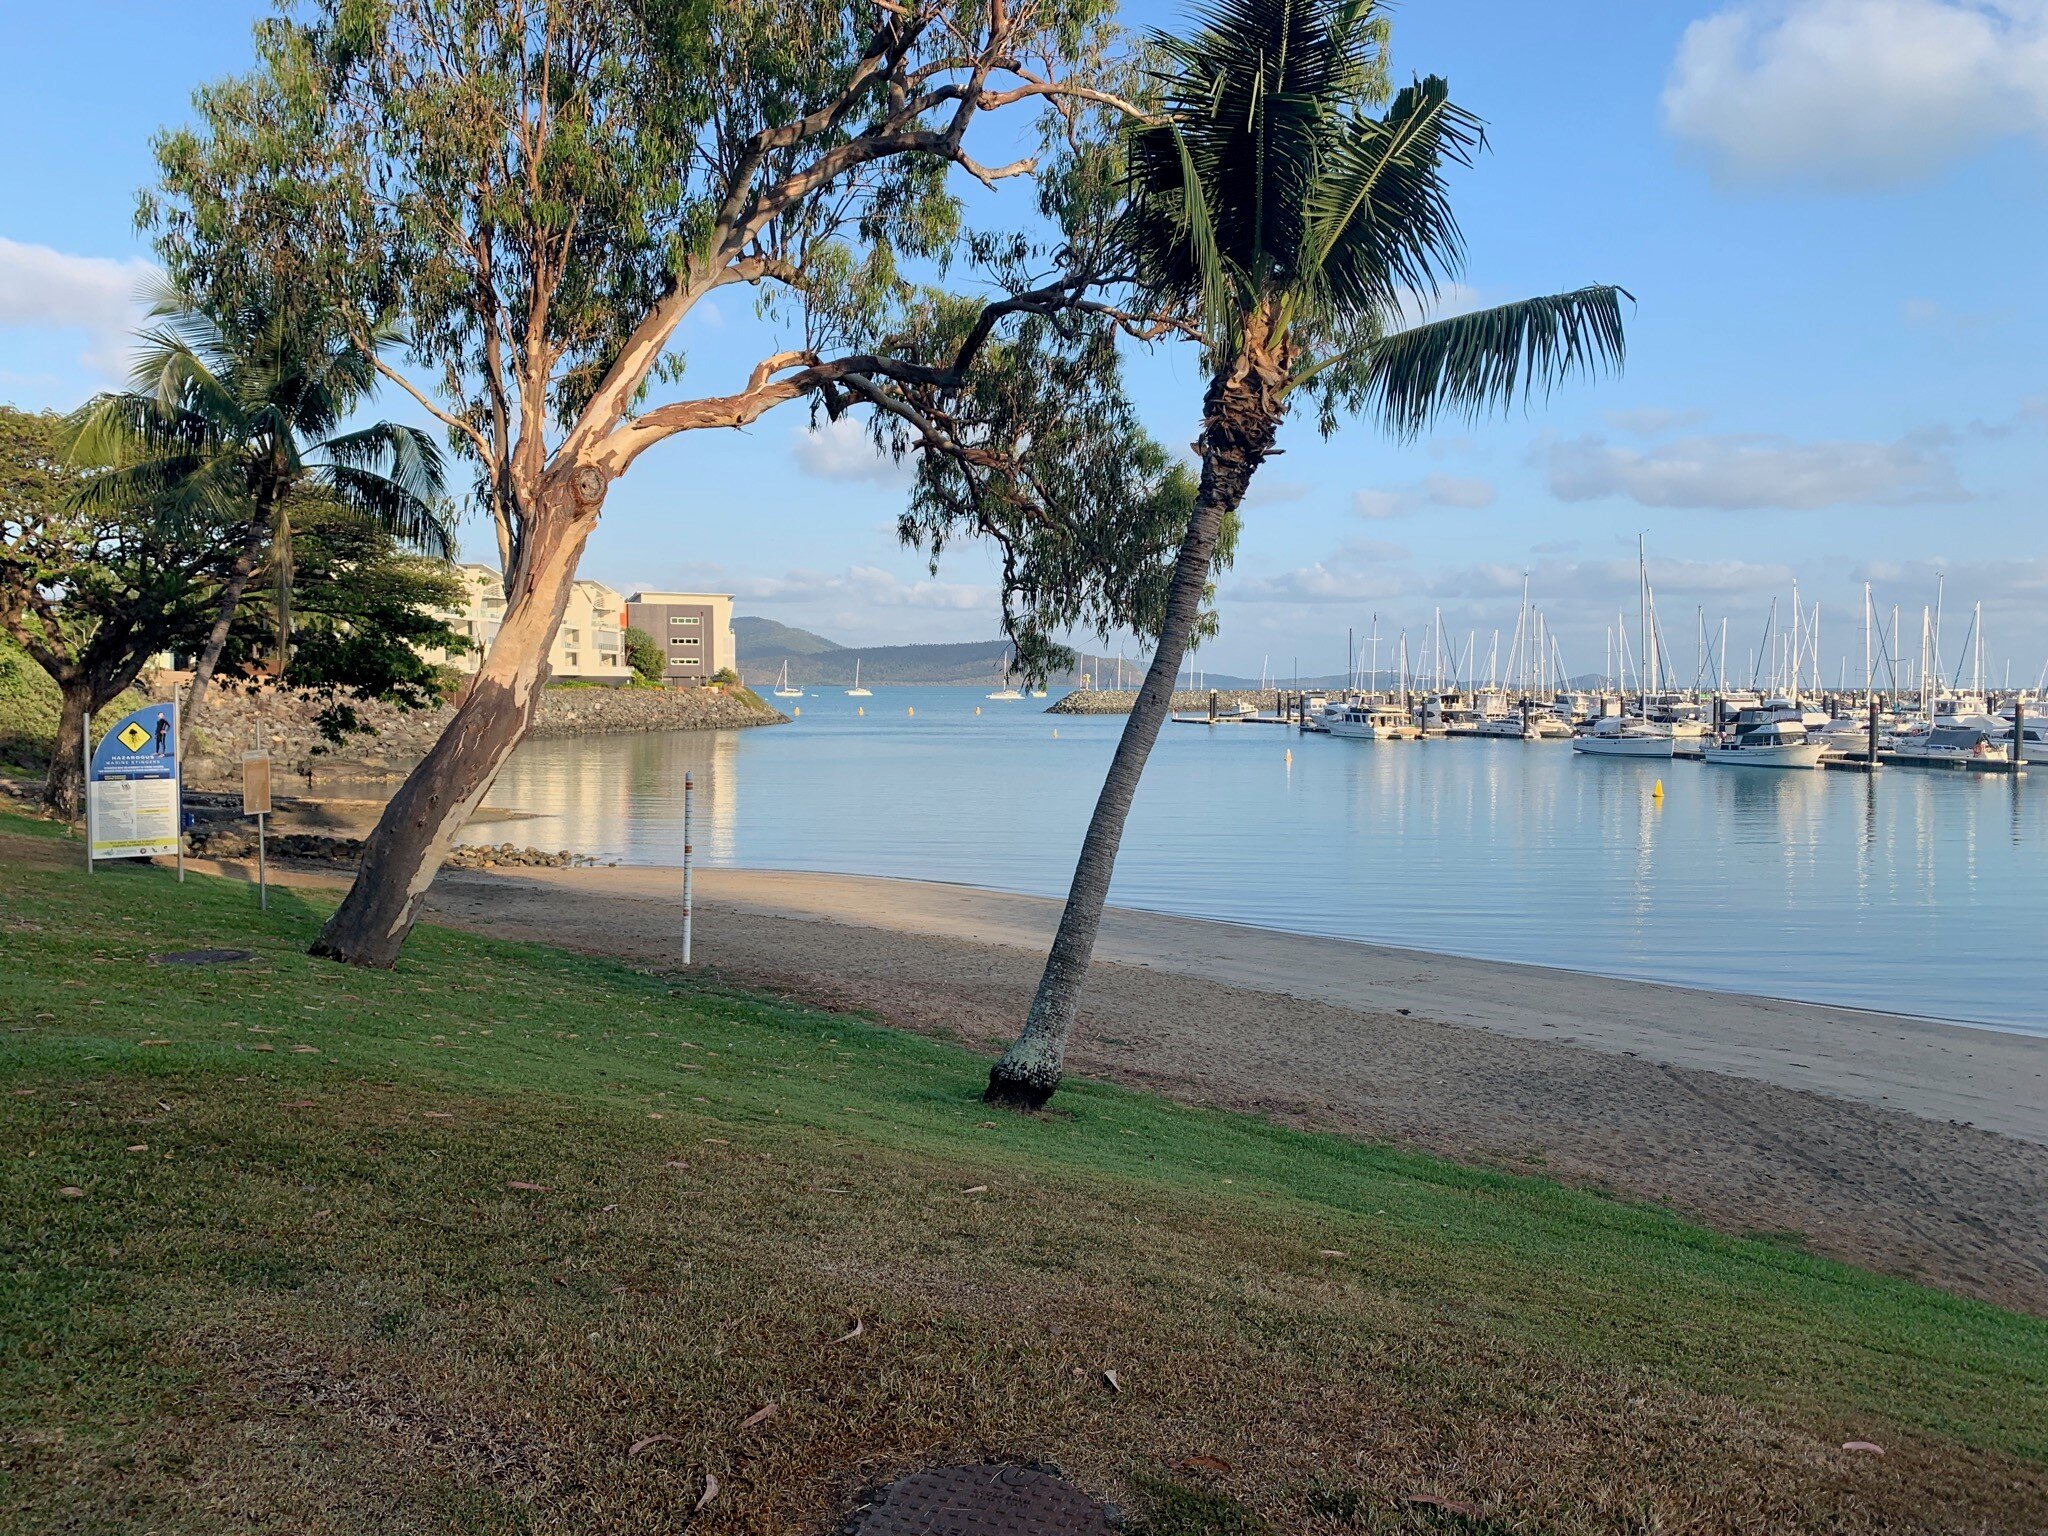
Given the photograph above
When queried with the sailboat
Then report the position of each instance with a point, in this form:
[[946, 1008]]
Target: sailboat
[[1637, 735], [782, 688], [856, 691], [1007, 690]]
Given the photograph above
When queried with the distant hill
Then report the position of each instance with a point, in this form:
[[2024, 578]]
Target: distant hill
[[765, 637], [764, 645], [815, 661]]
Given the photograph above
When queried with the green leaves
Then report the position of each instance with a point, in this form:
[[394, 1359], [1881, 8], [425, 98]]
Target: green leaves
[[1471, 364]]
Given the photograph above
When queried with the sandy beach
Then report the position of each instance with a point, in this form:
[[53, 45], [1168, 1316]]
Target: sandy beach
[[1915, 1147]]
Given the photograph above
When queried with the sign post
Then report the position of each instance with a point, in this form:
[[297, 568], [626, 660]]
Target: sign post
[[132, 788], [689, 794], [256, 802]]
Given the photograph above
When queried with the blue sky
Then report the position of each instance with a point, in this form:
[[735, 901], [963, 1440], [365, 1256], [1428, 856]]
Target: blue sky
[[1831, 213]]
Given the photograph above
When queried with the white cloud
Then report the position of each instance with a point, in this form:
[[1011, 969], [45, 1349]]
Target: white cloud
[[47, 290], [1462, 492], [842, 450], [869, 585], [1745, 473], [1857, 93], [1355, 572]]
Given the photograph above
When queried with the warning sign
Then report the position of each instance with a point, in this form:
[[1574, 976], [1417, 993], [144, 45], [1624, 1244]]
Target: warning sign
[[132, 789]]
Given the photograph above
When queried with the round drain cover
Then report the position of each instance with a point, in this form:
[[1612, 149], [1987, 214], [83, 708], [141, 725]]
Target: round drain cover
[[203, 957], [983, 1501]]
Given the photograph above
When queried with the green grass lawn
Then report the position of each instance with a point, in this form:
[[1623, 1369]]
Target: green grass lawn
[[291, 1247]]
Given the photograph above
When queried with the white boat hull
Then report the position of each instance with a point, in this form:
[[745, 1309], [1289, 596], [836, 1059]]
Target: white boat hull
[[1624, 746], [1793, 754]]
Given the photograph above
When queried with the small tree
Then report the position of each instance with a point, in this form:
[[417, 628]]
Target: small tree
[[547, 189], [238, 412], [1298, 225], [644, 655], [90, 588]]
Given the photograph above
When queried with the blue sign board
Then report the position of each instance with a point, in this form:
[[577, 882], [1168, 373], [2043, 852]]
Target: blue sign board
[[144, 745]]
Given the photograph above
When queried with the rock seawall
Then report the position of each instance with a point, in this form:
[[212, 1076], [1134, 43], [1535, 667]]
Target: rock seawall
[[396, 739], [1186, 701]]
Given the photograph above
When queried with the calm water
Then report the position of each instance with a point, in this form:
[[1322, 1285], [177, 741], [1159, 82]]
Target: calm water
[[1917, 892]]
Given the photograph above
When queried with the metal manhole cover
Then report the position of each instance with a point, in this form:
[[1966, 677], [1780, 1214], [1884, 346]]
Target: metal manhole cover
[[203, 957], [983, 1501]]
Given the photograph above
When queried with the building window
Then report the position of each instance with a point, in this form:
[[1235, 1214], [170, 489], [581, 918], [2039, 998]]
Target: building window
[[677, 623], [684, 640]]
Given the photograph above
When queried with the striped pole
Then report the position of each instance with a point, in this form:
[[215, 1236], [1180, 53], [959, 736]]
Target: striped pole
[[689, 796]]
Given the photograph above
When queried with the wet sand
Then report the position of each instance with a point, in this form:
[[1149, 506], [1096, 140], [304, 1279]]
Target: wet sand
[[1913, 1147]]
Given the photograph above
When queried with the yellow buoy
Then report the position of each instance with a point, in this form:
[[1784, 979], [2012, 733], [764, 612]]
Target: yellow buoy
[[861, 709], [1055, 733], [1290, 757], [911, 711], [1657, 790], [977, 709], [795, 710]]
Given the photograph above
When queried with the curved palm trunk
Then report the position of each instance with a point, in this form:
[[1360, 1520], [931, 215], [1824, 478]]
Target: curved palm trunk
[[239, 576], [1243, 412], [404, 853]]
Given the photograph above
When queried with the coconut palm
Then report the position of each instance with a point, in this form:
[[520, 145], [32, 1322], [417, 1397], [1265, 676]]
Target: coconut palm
[[1302, 219], [237, 416]]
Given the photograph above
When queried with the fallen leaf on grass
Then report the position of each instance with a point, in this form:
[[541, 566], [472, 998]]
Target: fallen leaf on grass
[[1115, 1382], [758, 1416], [716, 1141], [438, 1114], [72, 1192], [305, 1050], [677, 1164], [1448, 1506], [641, 1445], [152, 1042], [1204, 1464], [1331, 1253], [859, 1328], [140, 1146], [710, 1493], [979, 1189], [522, 1184], [1864, 1447]]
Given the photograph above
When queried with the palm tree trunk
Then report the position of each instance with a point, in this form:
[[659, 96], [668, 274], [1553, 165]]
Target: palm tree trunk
[[239, 575], [281, 561], [1244, 410], [403, 854]]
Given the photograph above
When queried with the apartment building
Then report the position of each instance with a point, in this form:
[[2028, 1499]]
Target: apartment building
[[590, 646], [693, 629]]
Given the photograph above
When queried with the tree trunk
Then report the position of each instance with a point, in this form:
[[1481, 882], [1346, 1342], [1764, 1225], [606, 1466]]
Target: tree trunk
[[239, 575], [1243, 412], [405, 851], [64, 784]]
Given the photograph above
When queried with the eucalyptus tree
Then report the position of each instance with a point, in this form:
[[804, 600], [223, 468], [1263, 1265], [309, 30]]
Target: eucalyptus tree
[[547, 189], [1300, 216], [238, 410]]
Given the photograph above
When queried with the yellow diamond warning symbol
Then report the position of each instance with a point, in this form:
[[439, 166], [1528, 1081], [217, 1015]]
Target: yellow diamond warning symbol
[[133, 737]]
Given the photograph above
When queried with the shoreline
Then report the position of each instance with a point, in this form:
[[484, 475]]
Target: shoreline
[[1968, 1074], [1916, 1148]]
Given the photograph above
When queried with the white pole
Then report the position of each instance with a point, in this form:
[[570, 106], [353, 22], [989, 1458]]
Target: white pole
[[689, 797], [262, 866], [178, 778]]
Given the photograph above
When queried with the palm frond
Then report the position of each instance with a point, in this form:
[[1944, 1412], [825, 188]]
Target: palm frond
[[422, 524], [1476, 363], [1379, 219]]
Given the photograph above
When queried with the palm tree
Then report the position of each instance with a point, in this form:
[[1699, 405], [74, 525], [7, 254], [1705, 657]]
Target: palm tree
[[1302, 228], [236, 415]]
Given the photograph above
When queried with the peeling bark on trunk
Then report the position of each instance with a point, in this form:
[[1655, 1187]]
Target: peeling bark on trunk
[[239, 576], [64, 784], [1241, 416], [403, 854]]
